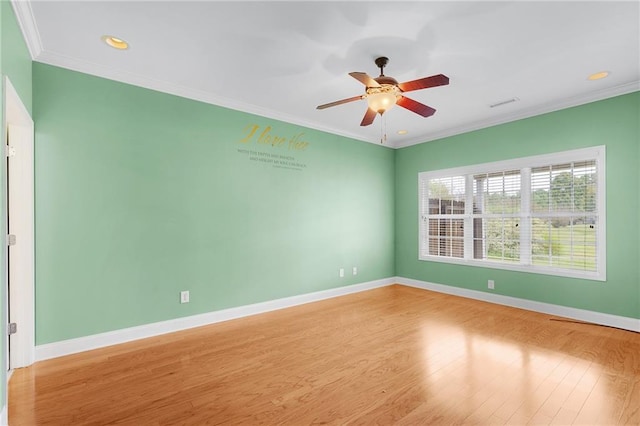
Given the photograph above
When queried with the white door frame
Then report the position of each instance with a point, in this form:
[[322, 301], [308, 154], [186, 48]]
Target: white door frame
[[21, 264]]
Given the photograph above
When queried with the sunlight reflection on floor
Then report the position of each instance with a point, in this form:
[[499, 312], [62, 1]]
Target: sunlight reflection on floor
[[507, 380]]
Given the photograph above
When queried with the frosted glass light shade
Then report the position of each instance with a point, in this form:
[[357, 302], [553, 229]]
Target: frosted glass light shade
[[381, 102]]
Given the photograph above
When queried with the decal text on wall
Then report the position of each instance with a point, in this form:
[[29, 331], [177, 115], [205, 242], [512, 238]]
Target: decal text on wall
[[267, 138], [259, 137]]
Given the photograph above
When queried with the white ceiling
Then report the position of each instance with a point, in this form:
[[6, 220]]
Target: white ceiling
[[282, 59]]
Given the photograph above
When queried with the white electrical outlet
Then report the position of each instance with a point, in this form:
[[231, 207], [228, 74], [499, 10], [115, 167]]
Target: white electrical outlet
[[184, 296], [491, 285], [341, 272], [355, 270]]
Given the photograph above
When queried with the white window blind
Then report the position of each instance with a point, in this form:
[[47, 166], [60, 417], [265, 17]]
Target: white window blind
[[496, 216], [564, 215], [538, 214], [444, 200]]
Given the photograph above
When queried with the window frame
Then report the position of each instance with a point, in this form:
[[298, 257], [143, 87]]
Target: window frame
[[596, 153]]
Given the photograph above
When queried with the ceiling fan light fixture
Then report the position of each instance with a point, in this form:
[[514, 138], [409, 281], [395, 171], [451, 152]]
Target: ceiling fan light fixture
[[381, 99], [381, 102]]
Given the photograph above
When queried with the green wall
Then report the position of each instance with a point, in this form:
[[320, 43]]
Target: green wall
[[15, 63], [16, 60], [140, 195], [612, 122]]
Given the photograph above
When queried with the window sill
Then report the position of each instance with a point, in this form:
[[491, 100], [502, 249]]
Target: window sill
[[594, 276]]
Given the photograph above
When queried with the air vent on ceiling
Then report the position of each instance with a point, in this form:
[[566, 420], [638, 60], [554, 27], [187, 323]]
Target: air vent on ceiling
[[508, 101]]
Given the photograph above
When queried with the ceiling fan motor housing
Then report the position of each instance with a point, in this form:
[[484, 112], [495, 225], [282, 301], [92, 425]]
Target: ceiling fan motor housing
[[383, 79], [384, 88]]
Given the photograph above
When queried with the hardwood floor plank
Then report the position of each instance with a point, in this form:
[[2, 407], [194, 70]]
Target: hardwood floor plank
[[394, 355]]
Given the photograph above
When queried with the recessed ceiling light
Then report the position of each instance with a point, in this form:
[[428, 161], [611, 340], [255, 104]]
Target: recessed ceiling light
[[598, 75], [115, 42], [403, 132]]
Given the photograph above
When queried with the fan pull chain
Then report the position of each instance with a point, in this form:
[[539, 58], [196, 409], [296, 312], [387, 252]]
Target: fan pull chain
[[383, 134], [385, 129]]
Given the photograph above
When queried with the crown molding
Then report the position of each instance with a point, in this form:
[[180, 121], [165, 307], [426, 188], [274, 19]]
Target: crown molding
[[98, 70], [86, 67], [27, 24], [573, 101]]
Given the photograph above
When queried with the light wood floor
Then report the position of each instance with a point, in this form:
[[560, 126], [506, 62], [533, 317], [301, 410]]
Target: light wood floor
[[394, 355]]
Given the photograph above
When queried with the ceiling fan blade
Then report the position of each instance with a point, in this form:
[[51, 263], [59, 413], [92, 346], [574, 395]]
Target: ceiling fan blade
[[424, 83], [365, 79], [415, 106], [343, 101], [369, 116]]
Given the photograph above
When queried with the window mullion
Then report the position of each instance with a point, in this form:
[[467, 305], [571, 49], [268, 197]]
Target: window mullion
[[468, 217], [423, 195], [525, 216]]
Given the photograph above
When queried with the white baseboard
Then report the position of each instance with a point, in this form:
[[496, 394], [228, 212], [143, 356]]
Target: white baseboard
[[4, 414], [81, 344], [71, 346], [626, 323]]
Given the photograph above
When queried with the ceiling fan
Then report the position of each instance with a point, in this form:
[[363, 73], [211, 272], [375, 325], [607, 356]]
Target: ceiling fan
[[383, 92]]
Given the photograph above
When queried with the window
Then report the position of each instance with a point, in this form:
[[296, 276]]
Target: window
[[446, 216], [543, 214]]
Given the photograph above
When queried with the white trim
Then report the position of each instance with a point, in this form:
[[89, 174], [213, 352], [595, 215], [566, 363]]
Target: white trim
[[580, 154], [524, 164], [98, 70], [626, 323], [90, 68], [531, 269], [525, 222], [601, 230], [468, 217], [71, 346], [4, 414], [21, 208], [27, 24], [557, 105], [4, 419]]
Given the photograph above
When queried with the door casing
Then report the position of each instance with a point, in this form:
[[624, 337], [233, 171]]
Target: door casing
[[20, 301]]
